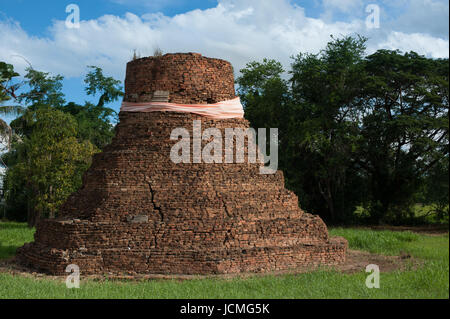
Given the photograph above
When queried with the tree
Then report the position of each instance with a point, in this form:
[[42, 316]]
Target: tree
[[316, 120], [404, 129], [108, 88], [326, 89], [356, 130], [94, 123], [263, 92], [436, 193], [36, 184], [44, 90], [7, 92], [266, 99], [50, 163]]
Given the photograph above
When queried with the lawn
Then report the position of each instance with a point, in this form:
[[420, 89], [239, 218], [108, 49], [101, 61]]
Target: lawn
[[429, 281]]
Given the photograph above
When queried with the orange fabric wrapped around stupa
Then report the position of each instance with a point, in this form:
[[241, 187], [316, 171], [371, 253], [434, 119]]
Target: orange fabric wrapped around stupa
[[221, 110]]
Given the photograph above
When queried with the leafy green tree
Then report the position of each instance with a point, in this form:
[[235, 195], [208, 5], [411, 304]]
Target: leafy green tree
[[94, 122], [36, 184], [356, 130], [44, 90], [7, 92], [108, 87], [263, 93], [41, 91], [326, 89], [316, 121], [50, 163], [436, 193], [267, 103], [404, 129]]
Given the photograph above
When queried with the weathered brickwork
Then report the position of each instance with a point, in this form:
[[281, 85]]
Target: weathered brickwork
[[138, 212], [189, 78]]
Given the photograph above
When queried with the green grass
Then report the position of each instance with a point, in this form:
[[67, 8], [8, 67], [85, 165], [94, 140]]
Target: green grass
[[392, 243], [12, 236], [429, 281]]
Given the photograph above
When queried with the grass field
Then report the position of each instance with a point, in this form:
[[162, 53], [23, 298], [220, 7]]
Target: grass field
[[429, 281]]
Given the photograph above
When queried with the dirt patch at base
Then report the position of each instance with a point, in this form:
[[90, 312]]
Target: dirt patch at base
[[356, 261]]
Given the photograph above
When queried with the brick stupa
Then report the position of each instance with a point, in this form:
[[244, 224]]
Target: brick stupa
[[138, 212]]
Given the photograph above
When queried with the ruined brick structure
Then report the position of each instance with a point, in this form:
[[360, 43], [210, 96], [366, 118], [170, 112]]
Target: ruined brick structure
[[138, 212], [190, 79]]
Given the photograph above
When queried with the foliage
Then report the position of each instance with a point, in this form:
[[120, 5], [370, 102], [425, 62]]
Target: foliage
[[355, 129], [94, 123], [108, 88], [50, 163], [44, 90], [157, 52], [264, 95], [7, 92], [436, 193], [325, 88], [404, 129], [54, 143]]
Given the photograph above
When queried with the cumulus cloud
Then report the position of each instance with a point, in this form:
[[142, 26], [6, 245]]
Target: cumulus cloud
[[238, 31], [423, 43], [424, 16]]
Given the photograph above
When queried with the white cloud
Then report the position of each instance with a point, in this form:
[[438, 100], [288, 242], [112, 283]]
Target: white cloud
[[423, 43], [424, 16], [238, 31]]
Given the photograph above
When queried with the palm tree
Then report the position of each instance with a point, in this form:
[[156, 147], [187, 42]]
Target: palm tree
[[7, 93]]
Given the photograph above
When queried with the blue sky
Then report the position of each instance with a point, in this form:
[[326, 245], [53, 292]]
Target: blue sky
[[36, 16], [238, 31]]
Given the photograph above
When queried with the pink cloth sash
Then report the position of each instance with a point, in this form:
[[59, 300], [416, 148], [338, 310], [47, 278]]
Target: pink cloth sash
[[221, 110]]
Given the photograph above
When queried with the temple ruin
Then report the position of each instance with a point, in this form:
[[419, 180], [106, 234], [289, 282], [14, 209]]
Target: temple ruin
[[139, 212]]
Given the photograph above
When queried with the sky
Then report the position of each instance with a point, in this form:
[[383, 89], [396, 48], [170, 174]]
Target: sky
[[239, 31]]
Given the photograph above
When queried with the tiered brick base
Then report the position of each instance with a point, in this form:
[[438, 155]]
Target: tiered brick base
[[138, 212]]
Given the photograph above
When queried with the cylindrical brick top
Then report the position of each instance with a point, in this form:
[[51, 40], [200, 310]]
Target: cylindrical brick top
[[187, 78]]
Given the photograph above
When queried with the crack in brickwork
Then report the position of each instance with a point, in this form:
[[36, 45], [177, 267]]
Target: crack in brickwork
[[152, 198]]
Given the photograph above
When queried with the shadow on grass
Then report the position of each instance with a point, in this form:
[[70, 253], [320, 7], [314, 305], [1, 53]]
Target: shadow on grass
[[8, 251]]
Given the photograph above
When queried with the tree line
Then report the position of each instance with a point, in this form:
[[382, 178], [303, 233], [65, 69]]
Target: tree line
[[357, 132], [50, 143]]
